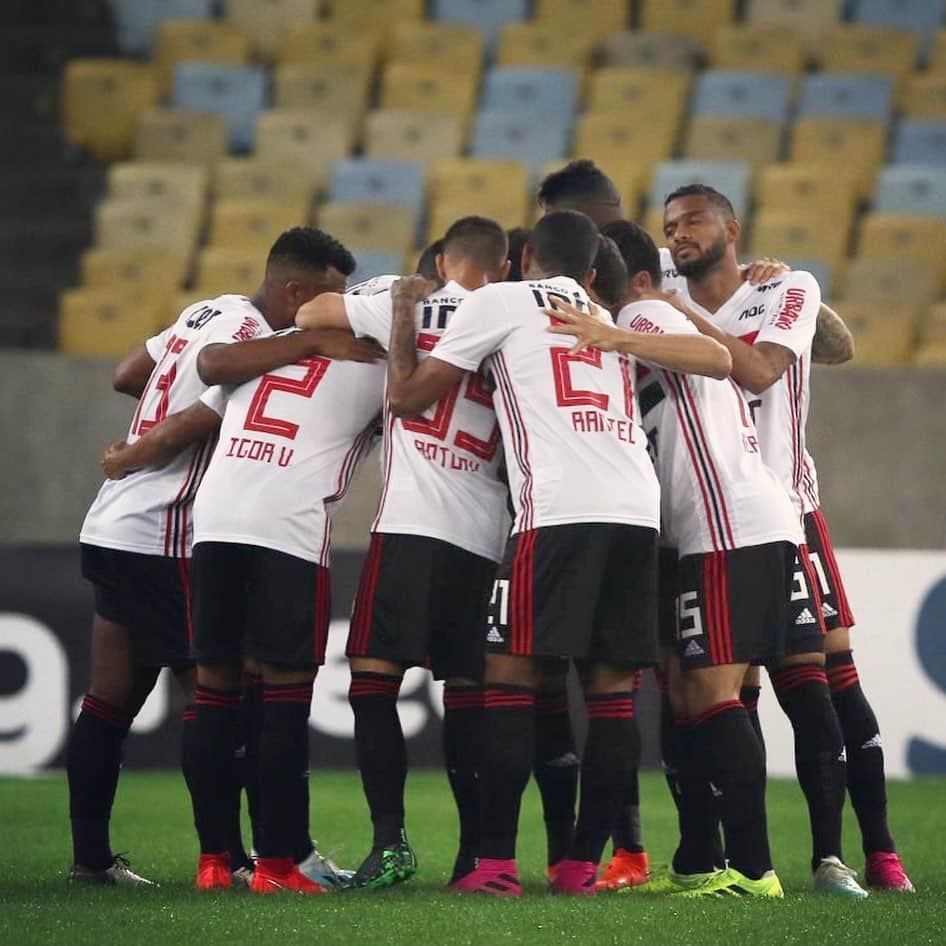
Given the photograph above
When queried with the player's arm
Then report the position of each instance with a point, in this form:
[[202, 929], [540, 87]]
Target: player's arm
[[413, 386], [162, 442], [326, 310], [833, 343], [131, 373]]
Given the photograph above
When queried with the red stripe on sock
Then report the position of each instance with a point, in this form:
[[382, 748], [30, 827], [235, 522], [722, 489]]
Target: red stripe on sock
[[715, 711], [460, 698], [789, 678], [508, 699], [106, 712]]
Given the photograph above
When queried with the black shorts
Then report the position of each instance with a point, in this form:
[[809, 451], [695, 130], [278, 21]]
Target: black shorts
[[734, 606], [668, 587], [835, 607], [584, 590], [149, 595], [804, 633], [422, 602], [256, 602]]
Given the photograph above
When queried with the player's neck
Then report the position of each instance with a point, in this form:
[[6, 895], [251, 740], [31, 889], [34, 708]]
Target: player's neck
[[714, 288], [470, 277]]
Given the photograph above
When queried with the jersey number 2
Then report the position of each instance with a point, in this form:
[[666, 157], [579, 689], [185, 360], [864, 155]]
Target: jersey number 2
[[257, 418]]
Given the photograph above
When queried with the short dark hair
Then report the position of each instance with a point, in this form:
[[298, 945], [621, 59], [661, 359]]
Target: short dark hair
[[610, 272], [581, 179], [637, 249], [427, 264], [715, 197], [478, 239], [309, 248], [565, 243], [518, 237]]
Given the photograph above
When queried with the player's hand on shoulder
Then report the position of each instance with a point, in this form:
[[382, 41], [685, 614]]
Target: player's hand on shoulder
[[670, 296], [762, 270], [589, 330], [343, 346], [111, 461], [413, 288]]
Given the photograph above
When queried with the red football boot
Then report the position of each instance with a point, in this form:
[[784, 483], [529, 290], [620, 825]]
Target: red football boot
[[626, 869], [213, 872]]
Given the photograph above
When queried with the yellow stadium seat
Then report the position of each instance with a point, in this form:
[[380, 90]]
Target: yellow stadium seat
[[612, 141], [253, 224], [355, 13], [924, 96], [110, 322], [103, 267], [718, 138], [654, 224], [808, 189], [328, 43], [493, 188], [263, 22], [102, 100], [262, 179], [855, 47], [412, 135], [758, 48], [695, 19], [458, 48], [298, 134], [543, 44], [146, 223], [167, 134], [205, 40], [222, 271], [855, 146], [937, 62], [339, 89], [872, 280], [643, 94], [598, 18], [884, 334], [791, 235], [905, 239], [809, 18], [931, 347], [428, 87], [368, 226], [633, 48], [187, 183]]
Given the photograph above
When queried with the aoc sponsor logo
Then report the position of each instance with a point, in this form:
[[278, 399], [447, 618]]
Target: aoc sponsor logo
[[752, 312], [791, 309]]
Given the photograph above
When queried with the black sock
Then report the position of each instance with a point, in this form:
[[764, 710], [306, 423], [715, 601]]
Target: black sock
[[93, 761], [556, 770], [508, 754], [803, 694], [284, 765], [866, 781], [626, 832], [251, 725], [213, 773], [749, 697], [462, 750], [606, 769], [732, 760], [380, 750], [700, 849]]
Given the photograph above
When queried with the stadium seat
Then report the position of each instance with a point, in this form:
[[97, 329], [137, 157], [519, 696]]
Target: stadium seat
[[695, 19], [937, 63], [537, 91], [931, 341], [166, 134], [808, 189], [388, 13], [922, 17], [102, 100], [758, 48], [884, 333], [173, 181], [146, 223], [197, 40], [821, 270], [253, 224], [729, 177], [376, 181], [854, 147], [742, 94], [906, 239], [489, 16], [643, 95], [523, 136], [543, 44], [267, 179], [889, 280], [594, 18], [410, 135], [840, 95], [137, 21], [920, 142], [613, 141], [493, 188], [373, 263], [340, 89], [925, 96], [312, 140], [369, 226], [808, 18], [458, 48], [222, 270], [236, 93], [428, 87], [103, 267], [109, 322], [789, 234], [719, 138], [264, 23], [854, 48], [911, 189], [325, 43], [652, 50]]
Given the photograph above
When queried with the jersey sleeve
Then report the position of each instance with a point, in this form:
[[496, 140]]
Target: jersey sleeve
[[670, 277], [215, 398], [656, 317], [794, 314], [476, 330], [370, 316], [157, 344]]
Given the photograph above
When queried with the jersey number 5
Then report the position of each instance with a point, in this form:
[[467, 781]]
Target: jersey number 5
[[256, 417]]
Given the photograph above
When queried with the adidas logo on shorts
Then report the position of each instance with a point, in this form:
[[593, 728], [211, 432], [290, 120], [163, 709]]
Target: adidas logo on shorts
[[828, 611], [494, 637], [693, 650], [806, 617], [873, 743]]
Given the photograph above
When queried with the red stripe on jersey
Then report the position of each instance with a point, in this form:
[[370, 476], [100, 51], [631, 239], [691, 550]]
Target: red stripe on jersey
[[520, 438], [749, 338], [741, 401], [426, 341], [522, 594], [388, 448], [171, 514]]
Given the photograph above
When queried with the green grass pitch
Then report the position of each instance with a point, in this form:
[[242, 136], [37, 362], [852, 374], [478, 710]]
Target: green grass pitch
[[152, 822]]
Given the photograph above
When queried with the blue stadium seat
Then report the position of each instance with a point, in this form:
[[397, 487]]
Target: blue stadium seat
[[847, 95], [546, 91], [489, 16], [136, 21], [729, 177], [236, 93], [742, 94], [818, 268], [377, 181], [374, 263], [526, 136], [920, 142], [916, 189], [923, 17]]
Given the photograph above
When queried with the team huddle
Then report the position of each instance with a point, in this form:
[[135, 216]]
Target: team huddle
[[593, 456]]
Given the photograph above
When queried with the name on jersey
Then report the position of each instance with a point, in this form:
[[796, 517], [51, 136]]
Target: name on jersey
[[245, 448], [444, 457], [641, 323], [597, 422], [791, 309]]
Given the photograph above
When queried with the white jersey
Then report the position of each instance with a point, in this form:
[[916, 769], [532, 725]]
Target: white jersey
[[441, 469], [289, 445], [149, 511], [716, 492], [783, 311], [372, 286], [575, 448]]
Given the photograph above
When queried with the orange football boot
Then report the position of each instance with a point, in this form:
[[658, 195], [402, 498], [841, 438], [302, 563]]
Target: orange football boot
[[276, 874], [626, 869]]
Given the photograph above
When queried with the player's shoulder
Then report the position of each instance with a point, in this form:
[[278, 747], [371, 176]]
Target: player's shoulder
[[373, 286], [230, 310], [653, 316], [799, 279], [666, 264]]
